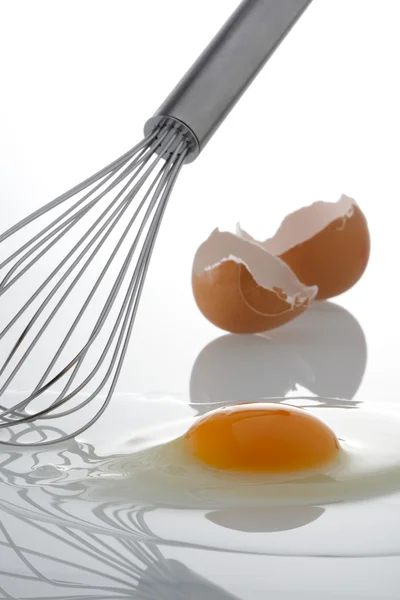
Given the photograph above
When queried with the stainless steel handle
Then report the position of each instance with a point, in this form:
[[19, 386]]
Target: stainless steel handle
[[213, 85]]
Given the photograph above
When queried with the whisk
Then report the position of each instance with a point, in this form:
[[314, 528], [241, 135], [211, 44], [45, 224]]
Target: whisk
[[75, 268]]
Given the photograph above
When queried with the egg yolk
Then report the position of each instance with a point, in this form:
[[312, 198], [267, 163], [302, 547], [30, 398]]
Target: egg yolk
[[262, 438]]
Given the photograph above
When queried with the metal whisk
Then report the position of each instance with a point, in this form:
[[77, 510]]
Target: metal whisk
[[81, 275]]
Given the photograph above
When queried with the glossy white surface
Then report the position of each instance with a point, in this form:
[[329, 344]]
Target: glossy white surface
[[79, 80]]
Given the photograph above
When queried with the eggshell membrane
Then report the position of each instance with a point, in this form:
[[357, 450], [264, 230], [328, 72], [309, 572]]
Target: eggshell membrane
[[242, 288], [325, 244]]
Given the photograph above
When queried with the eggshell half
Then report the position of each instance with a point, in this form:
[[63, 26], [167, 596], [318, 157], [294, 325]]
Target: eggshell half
[[326, 244], [241, 287]]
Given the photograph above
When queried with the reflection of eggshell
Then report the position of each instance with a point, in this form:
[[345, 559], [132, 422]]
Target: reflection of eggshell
[[323, 351], [243, 288], [332, 343], [245, 368], [326, 244]]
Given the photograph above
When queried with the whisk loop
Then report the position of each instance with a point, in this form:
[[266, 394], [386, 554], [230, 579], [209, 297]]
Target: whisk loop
[[141, 177]]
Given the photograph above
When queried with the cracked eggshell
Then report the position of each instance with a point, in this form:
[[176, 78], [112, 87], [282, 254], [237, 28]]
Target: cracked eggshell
[[242, 288], [326, 244]]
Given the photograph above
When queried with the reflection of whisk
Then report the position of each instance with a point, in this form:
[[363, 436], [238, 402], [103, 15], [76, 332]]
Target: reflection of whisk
[[122, 205], [93, 562], [90, 550]]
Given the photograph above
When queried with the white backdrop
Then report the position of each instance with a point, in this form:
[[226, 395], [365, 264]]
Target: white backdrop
[[79, 78]]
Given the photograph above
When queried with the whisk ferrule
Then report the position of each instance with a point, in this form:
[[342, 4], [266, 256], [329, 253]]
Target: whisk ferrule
[[222, 73]]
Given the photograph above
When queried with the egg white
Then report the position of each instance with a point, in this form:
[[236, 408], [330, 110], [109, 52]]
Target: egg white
[[157, 469]]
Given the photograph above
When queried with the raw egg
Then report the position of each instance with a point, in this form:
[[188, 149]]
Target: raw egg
[[247, 286], [332, 455], [267, 438]]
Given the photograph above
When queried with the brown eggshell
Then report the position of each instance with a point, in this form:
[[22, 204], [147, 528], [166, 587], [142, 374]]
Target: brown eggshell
[[326, 244], [242, 288]]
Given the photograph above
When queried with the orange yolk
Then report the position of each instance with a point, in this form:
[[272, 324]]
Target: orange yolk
[[263, 438]]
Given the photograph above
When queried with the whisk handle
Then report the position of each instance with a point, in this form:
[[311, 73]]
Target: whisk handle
[[221, 74]]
